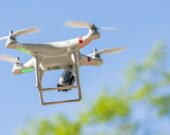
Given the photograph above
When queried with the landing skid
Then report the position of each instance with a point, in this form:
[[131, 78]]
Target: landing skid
[[43, 90]]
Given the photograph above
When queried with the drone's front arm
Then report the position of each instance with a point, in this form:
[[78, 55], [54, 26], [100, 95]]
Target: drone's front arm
[[85, 40], [20, 68], [90, 61]]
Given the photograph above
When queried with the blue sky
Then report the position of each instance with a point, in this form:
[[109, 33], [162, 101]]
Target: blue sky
[[141, 25]]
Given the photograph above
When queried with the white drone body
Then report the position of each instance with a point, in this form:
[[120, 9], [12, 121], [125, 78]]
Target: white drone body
[[57, 55]]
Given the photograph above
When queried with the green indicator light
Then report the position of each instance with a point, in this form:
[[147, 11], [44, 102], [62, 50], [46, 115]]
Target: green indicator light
[[23, 50], [27, 70]]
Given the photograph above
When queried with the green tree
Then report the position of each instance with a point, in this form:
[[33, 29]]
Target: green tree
[[146, 87]]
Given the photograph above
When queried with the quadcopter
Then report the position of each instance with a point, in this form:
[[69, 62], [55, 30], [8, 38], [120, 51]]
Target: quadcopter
[[63, 55]]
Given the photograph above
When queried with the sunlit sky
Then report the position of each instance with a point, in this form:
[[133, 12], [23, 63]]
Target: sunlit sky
[[140, 26]]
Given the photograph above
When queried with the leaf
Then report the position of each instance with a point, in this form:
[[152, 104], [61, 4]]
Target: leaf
[[162, 103], [144, 91], [108, 107]]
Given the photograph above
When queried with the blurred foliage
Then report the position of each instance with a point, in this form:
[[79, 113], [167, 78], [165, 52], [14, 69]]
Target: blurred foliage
[[143, 91], [108, 107], [114, 114], [163, 104]]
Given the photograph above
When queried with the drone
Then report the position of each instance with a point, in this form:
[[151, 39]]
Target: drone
[[62, 55]]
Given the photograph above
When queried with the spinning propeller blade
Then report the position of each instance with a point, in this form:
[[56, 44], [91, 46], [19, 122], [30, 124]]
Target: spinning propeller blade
[[25, 31], [112, 50], [8, 58], [107, 51], [77, 24], [21, 32], [5, 37], [108, 28]]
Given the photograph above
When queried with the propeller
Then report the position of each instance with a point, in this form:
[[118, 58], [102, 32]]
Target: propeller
[[78, 24], [3, 38], [8, 58], [21, 32], [107, 51]]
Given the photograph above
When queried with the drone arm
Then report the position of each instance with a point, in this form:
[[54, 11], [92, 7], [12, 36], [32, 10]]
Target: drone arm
[[85, 40], [19, 68]]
